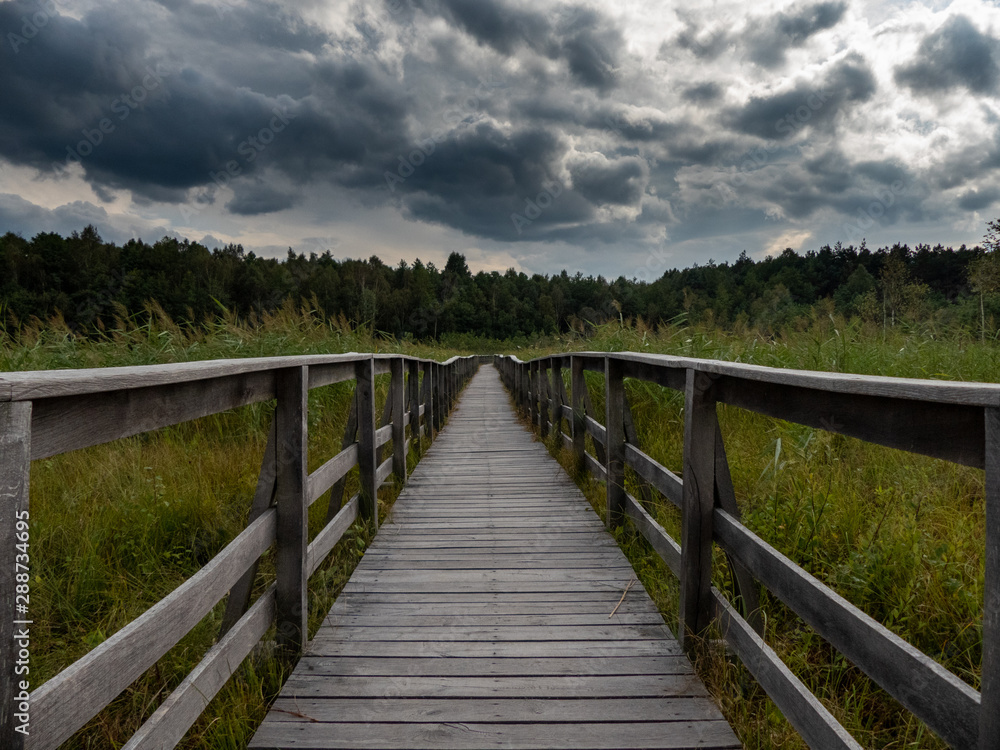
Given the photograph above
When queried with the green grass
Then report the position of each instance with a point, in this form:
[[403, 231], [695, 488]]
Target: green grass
[[899, 535]]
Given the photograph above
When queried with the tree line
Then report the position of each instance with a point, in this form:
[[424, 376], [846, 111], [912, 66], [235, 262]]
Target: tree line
[[92, 284]]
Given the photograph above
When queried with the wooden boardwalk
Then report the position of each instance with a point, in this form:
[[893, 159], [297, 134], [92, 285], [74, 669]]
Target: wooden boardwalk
[[479, 618]]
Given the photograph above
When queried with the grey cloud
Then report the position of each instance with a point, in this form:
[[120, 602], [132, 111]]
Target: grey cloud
[[808, 104], [769, 38], [956, 55], [253, 197], [976, 200], [602, 182], [703, 93]]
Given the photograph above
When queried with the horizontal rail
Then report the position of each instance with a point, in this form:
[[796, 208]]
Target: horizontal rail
[[943, 701], [803, 710], [178, 713], [669, 484], [78, 693], [327, 539], [331, 472], [383, 435], [595, 429], [655, 534]]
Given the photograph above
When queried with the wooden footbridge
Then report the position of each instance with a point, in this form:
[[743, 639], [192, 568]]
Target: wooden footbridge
[[492, 609]]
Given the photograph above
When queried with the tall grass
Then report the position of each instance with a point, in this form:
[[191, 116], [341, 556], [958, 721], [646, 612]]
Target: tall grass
[[899, 535], [116, 527]]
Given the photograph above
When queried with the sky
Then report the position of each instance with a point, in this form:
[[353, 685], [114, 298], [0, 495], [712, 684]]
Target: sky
[[619, 139]]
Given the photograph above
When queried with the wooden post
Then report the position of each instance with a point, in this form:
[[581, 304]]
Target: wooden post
[[398, 386], [578, 384], [543, 398], [364, 374], [439, 393], [533, 392], [413, 388], [614, 446], [698, 504], [428, 400], [15, 471], [293, 521], [989, 712], [555, 397]]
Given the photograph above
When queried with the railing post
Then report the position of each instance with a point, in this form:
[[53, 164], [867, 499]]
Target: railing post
[[543, 398], [989, 712], [533, 392], [555, 398], [614, 447], [413, 388], [364, 374], [698, 504], [578, 383], [291, 431], [15, 471], [398, 386]]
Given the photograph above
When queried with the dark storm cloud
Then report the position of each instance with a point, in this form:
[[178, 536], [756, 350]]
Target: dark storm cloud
[[703, 93], [975, 200], [808, 104], [956, 55], [620, 182], [252, 197], [768, 39], [501, 25]]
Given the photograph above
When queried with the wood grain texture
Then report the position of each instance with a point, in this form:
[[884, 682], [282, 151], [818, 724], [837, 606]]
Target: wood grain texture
[[989, 722], [614, 442], [74, 696], [364, 377], [332, 472], [325, 540], [803, 710], [15, 471], [172, 719], [944, 702], [658, 475], [290, 499], [482, 613]]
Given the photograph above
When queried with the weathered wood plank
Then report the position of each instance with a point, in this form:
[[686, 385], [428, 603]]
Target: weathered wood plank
[[376, 666], [330, 473], [614, 445], [647, 736], [367, 461], [655, 534], [326, 539], [172, 719], [803, 710], [74, 696], [15, 472], [291, 486], [989, 716], [665, 481], [944, 702]]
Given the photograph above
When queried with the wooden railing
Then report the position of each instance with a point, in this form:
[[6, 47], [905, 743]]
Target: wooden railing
[[43, 414], [959, 422]]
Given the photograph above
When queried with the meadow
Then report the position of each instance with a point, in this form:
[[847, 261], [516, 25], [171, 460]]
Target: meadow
[[116, 527]]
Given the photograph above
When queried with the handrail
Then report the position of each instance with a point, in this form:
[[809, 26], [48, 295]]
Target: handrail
[[956, 421], [51, 412]]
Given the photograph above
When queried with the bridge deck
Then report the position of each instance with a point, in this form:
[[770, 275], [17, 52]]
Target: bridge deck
[[479, 618]]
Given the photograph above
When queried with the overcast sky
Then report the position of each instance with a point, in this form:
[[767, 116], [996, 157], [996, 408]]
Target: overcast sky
[[609, 138]]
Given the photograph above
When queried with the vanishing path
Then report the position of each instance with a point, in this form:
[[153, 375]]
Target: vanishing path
[[479, 618]]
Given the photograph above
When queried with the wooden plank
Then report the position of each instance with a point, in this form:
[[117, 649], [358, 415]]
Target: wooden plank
[[499, 710], [595, 466], [330, 373], [944, 702], [291, 486], [699, 500], [325, 540], [367, 461], [383, 434], [573, 686], [15, 474], [330, 473], [648, 736], [66, 423], [950, 431], [78, 693], [656, 535], [989, 715], [665, 481], [376, 666], [538, 649], [239, 595], [614, 445], [803, 710], [383, 471], [172, 719], [413, 399]]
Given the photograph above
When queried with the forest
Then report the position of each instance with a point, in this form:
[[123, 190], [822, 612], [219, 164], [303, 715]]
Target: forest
[[91, 284]]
